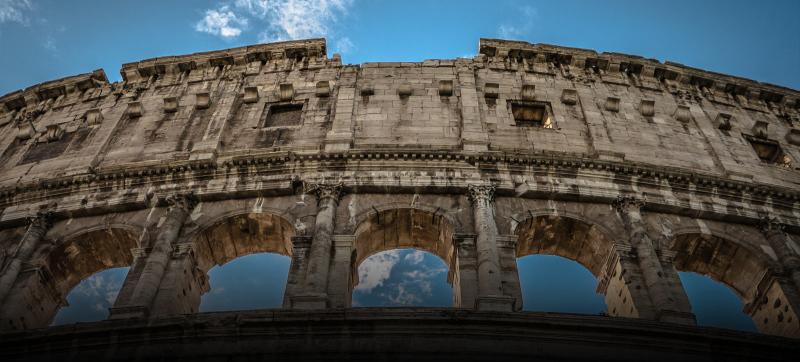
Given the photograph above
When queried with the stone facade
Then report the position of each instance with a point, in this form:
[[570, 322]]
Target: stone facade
[[635, 169]]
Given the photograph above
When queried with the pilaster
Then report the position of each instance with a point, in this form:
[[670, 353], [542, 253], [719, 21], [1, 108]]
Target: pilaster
[[490, 287]]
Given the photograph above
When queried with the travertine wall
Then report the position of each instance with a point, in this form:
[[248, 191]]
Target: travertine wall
[[634, 168]]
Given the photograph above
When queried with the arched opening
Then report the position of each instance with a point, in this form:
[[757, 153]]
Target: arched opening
[[714, 304], [255, 281], [559, 260], [402, 277], [420, 241], [246, 258], [91, 299], [745, 272], [551, 283], [43, 289]]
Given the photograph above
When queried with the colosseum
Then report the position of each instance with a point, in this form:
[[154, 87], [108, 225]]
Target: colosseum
[[635, 168]]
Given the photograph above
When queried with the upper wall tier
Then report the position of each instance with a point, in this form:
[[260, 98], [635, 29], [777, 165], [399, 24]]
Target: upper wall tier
[[513, 101]]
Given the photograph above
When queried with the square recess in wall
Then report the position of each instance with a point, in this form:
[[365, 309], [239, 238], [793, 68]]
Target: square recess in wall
[[532, 114], [769, 151], [283, 114]]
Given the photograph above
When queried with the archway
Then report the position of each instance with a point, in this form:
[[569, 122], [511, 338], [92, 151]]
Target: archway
[[402, 277], [38, 295], [398, 230], [574, 247], [247, 257], [714, 304], [745, 271], [91, 299]]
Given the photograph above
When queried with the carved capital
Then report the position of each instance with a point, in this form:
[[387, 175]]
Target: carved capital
[[628, 204], [770, 225], [325, 191], [42, 221], [481, 194], [184, 201]]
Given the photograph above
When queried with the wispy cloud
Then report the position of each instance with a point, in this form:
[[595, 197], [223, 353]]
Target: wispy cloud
[[415, 257], [222, 22], [14, 11], [518, 29], [376, 269], [279, 20]]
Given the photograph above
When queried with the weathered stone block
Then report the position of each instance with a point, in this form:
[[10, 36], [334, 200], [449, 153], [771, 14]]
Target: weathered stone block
[[569, 96], [135, 109], [170, 104], [528, 92], [647, 107], [202, 100], [760, 129], [323, 89], [723, 121], [286, 92], [612, 104], [250, 94], [445, 88], [93, 117], [683, 114]]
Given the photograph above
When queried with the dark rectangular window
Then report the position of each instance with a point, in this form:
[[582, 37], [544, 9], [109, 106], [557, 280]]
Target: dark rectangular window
[[532, 114], [769, 151], [283, 115]]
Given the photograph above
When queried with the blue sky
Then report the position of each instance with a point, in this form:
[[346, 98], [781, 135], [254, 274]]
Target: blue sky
[[42, 40], [49, 39]]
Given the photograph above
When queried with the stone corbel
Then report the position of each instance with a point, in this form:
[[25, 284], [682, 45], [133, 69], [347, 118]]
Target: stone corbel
[[134, 109], [683, 114], [647, 107], [25, 131], [793, 137], [612, 104], [569, 97], [723, 121], [404, 90], [93, 117], [528, 92], [445, 88], [491, 90], [170, 104], [760, 129], [323, 89], [54, 133], [202, 100], [285, 92], [250, 95]]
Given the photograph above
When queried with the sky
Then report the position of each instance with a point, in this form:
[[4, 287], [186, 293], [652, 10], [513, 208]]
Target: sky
[[42, 40]]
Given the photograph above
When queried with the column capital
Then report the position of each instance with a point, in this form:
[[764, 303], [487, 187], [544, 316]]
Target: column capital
[[627, 204], [481, 193], [42, 220], [184, 201], [324, 191], [770, 225]]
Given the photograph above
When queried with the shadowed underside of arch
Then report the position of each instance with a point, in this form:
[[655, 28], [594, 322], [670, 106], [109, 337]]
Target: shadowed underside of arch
[[241, 235], [749, 275], [566, 237]]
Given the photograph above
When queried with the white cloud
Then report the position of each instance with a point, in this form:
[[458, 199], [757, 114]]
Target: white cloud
[[415, 257], [14, 11], [516, 30], [376, 269], [222, 22], [279, 20]]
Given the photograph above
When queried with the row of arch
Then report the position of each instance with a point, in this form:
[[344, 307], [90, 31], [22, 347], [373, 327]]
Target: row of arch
[[738, 265]]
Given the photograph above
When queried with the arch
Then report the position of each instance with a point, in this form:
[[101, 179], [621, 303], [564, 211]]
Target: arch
[[732, 263], [558, 284], [401, 228], [567, 235], [748, 273], [238, 234], [369, 213], [62, 266]]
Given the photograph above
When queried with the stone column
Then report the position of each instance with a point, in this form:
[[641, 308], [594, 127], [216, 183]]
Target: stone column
[[663, 301], [779, 241], [297, 268], [490, 288], [465, 271], [344, 272], [314, 294], [507, 245], [182, 285], [37, 228], [157, 259], [622, 284]]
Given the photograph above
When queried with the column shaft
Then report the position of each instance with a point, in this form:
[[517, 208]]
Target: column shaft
[[157, 259], [30, 241], [490, 287], [779, 242]]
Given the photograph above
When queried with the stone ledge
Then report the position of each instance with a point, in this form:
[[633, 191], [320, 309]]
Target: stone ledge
[[392, 334]]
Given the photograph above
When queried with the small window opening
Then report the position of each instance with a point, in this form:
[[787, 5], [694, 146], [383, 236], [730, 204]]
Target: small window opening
[[283, 115], [770, 152], [532, 115]]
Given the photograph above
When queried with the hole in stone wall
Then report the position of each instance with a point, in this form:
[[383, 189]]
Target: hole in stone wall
[[90, 300], [402, 277], [532, 114], [255, 281], [714, 304], [769, 151], [278, 115]]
